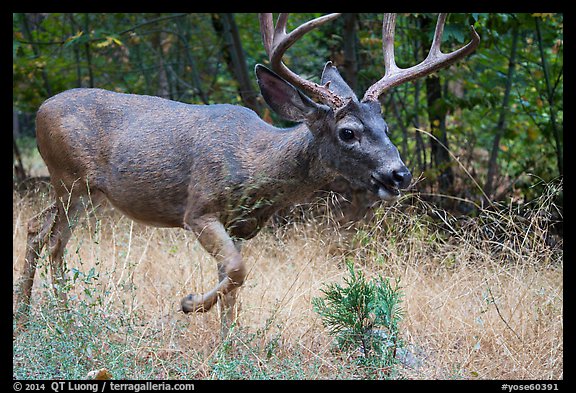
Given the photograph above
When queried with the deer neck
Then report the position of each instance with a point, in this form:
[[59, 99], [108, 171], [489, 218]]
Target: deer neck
[[286, 168], [293, 163]]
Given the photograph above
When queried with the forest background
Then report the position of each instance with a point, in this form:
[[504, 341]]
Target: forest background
[[487, 129]]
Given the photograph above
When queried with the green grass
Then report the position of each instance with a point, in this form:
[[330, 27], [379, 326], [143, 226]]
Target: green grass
[[67, 344]]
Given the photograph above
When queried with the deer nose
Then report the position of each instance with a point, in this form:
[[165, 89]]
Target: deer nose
[[394, 180], [401, 178]]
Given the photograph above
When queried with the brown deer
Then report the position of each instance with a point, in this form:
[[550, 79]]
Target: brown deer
[[217, 170]]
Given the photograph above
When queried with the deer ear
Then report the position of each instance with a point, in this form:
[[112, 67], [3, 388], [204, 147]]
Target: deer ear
[[284, 98], [337, 83]]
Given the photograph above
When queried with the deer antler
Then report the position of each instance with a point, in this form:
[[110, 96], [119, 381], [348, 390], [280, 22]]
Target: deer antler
[[435, 60], [276, 41]]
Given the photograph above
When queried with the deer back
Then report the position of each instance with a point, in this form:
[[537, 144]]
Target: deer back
[[153, 158]]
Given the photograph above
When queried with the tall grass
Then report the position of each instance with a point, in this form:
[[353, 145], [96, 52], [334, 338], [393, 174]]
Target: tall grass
[[482, 297]]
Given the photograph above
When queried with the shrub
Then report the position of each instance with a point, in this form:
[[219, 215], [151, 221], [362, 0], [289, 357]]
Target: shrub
[[363, 315]]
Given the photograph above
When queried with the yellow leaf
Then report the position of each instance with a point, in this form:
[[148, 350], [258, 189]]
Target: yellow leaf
[[503, 147], [532, 134], [104, 44], [543, 14], [75, 36], [108, 42]]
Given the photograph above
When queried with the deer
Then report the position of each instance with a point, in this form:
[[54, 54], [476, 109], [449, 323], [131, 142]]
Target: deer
[[218, 171]]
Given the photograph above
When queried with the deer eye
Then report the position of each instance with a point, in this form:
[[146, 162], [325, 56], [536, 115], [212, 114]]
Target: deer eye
[[346, 134]]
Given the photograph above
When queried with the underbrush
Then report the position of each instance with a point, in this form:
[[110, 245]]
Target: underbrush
[[482, 298]]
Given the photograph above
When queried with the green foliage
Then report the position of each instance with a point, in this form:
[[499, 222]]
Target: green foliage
[[181, 56], [528, 145], [363, 315]]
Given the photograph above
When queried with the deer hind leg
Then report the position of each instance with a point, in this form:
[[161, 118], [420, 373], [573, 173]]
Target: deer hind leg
[[217, 242], [63, 226], [51, 228], [39, 229]]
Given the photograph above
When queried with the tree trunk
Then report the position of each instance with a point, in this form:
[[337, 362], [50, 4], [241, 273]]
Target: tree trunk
[[550, 97], [349, 43], [19, 171], [36, 51], [500, 126], [225, 26], [162, 88], [439, 145], [183, 26], [88, 51], [420, 146], [393, 102], [420, 153], [73, 31], [437, 111]]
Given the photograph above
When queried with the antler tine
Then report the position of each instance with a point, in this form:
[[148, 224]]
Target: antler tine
[[266, 31], [435, 60], [388, 34], [437, 40], [277, 41], [280, 30]]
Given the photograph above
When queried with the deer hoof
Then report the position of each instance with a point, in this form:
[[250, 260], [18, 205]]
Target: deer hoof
[[193, 303]]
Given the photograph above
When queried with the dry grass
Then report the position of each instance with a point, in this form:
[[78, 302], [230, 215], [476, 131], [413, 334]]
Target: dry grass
[[477, 306]]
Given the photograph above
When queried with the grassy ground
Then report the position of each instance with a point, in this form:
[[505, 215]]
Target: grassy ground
[[483, 299]]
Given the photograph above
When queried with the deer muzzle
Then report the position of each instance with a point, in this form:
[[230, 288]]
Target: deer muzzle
[[387, 185]]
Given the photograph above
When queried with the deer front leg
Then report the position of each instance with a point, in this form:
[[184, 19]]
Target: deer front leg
[[214, 238], [228, 308]]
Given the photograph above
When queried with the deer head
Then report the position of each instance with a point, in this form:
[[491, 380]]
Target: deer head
[[355, 142]]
